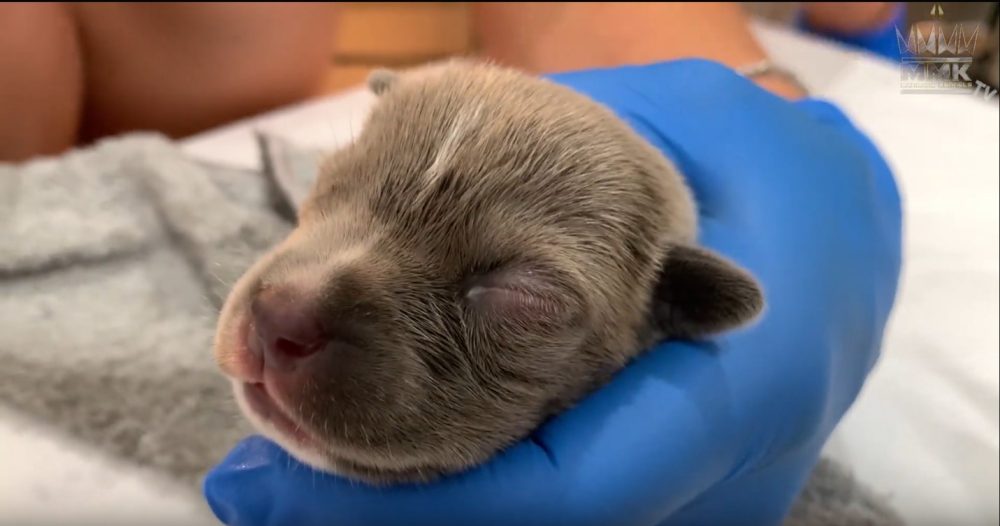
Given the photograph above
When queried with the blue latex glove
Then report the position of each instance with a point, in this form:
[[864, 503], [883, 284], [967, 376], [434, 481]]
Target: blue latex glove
[[715, 433]]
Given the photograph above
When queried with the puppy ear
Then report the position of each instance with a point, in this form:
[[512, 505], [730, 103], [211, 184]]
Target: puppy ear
[[380, 80], [700, 293]]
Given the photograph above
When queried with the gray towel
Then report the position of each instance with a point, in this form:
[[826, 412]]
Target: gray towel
[[114, 261]]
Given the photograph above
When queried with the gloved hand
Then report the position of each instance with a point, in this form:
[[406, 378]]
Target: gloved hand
[[716, 433]]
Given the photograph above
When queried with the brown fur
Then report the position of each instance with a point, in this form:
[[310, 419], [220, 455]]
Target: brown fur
[[489, 249]]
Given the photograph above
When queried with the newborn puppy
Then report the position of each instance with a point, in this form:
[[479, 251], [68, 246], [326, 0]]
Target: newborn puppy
[[489, 249]]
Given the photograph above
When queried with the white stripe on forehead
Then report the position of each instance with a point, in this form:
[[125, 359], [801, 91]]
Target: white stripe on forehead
[[463, 122]]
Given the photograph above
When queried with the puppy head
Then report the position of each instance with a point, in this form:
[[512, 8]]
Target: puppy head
[[489, 248]]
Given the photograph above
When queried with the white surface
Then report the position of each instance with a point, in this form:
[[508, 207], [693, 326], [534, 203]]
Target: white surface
[[925, 429], [46, 479]]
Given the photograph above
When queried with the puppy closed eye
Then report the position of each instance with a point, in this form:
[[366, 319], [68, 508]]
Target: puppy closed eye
[[522, 295]]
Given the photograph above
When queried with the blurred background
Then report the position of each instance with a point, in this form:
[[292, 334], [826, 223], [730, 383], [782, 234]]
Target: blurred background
[[78, 72], [378, 33]]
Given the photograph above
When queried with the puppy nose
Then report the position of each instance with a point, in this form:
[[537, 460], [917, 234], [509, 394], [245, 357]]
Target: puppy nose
[[287, 327]]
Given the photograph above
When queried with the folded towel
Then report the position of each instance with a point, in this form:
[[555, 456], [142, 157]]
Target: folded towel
[[113, 263]]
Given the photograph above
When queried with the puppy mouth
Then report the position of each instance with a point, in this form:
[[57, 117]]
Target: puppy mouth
[[263, 407], [251, 389], [259, 396]]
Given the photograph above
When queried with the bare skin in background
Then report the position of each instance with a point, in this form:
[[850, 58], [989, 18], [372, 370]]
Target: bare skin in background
[[550, 36], [73, 72], [41, 80], [70, 73]]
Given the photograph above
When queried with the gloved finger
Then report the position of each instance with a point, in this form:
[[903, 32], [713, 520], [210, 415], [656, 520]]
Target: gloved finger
[[238, 490], [659, 434], [692, 110], [260, 484]]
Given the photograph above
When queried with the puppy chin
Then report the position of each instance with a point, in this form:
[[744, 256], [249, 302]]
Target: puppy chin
[[302, 452], [308, 454]]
